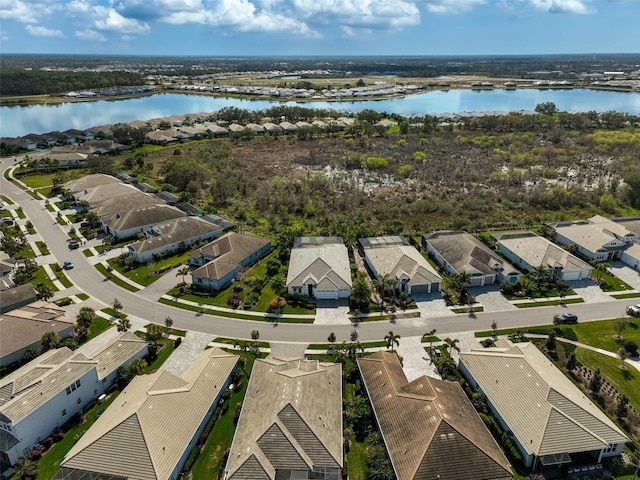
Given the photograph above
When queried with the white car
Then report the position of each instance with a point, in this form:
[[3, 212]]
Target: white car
[[633, 310]]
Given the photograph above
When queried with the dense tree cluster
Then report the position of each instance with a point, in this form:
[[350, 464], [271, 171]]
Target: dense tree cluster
[[38, 82]]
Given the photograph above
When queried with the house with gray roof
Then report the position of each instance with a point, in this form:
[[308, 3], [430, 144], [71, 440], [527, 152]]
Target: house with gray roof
[[219, 262], [22, 327], [290, 426], [528, 250], [45, 393], [101, 193], [457, 251], [598, 238], [319, 268], [154, 424], [170, 237], [17, 296], [429, 427], [554, 424], [394, 256], [90, 181], [134, 219]]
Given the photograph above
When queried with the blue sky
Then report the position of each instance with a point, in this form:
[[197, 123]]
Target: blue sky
[[319, 27]]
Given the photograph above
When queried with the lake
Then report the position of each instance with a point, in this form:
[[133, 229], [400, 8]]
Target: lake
[[17, 121]]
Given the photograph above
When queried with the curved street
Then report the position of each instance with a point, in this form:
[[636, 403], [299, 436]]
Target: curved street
[[91, 281]]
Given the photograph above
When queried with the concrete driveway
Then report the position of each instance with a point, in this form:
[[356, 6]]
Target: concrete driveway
[[491, 299], [589, 291], [332, 312], [627, 274]]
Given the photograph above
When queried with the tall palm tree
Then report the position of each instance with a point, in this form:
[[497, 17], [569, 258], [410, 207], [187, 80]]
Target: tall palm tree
[[392, 340], [183, 271], [385, 286], [600, 270], [360, 291], [124, 324], [540, 275], [430, 334], [278, 284], [451, 344]]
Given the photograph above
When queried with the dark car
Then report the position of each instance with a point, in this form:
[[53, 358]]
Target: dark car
[[74, 245], [566, 318]]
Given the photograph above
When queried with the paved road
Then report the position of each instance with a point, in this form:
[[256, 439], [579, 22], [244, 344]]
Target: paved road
[[86, 277]]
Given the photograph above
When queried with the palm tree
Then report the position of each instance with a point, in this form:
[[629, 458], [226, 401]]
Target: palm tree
[[117, 306], [44, 292], [385, 286], [154, 333], [50, 340], [464, 278], [600, 270], [540, 275], [183, 271], [84, 319], [361, 291], [450, 344], [392, 340], [278, 284], [124, 324], [430, 334], [25, 469]]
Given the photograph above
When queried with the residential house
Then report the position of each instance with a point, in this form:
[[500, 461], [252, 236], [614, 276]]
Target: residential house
[[89, 182], [132, 221], [394, 256], [290, 426], [429, 427], [528, 251], [219, 262], [598, 238], [23, 326], [319, 268], [61, 159], [154, 424], [631, 256], [108, 209], [101, 193], [173, 236], [553, 423], [45, 393], [457, 251], [16, 297]]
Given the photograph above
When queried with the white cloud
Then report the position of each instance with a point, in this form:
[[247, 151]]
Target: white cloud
[[26, 11], [90, 36], [452, 6], [78, 6], [359, 13], [562, 6], [40, 31], [110, 20]]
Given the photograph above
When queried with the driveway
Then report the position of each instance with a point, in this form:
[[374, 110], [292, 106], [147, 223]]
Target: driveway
[[627, 274], [589, 291], [491, 299], [432, 305], [332, 312]]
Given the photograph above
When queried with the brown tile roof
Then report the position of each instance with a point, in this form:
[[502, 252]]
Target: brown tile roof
[[229, 252], [428, 423]]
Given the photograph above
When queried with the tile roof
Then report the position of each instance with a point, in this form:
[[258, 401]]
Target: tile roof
[[542, 407], [119, 205], [25, 326], [173, 232], [228, 251], [466, 253], [400, 261], [136, 216], [428, 422], [145, 431], [90, 181], [116, 353], [291, 419], [537, 250], [325, 259], [101, 193], [18, 294]]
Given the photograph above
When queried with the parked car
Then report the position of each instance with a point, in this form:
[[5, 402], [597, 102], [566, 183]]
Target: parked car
[[67, 265], [74, 245], [565, 318], [7, 221], [634, 310]]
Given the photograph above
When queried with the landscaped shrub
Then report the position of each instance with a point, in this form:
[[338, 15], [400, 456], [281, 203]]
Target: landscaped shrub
[[487, 342], [235, 300], [277, 302], [631, 347]]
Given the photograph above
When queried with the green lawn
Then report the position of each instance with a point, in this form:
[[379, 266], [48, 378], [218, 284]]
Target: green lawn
[[549, 303], [170, 331], [626, 295], [20, 214], [601, 334], [98, 326], [121, 283], [44, 250], [336, 346], [232, 341], [147, 274], [113, 313], [357, 454], [466, 309], [49, 464], [39, 181], [6, 200], [625, 381], [82, 296], [611, 283], [50, 208], [61, 276], [212, 456], [42, 277]]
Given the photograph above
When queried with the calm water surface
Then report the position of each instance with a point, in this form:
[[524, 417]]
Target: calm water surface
[[21, 120]]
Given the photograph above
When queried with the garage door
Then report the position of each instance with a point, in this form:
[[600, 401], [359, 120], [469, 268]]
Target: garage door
[[419, 289], [326, 294]]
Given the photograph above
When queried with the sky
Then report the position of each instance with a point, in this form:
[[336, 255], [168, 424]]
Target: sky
[[319, 27]]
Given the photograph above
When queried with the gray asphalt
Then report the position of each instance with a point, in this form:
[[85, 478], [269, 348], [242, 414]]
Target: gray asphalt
[[87, 278]]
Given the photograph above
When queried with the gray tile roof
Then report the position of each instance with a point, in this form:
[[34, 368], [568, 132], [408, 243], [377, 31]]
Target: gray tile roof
[[142, 216], [325, 259], [545, 411], [291, 419], [173, 232]]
